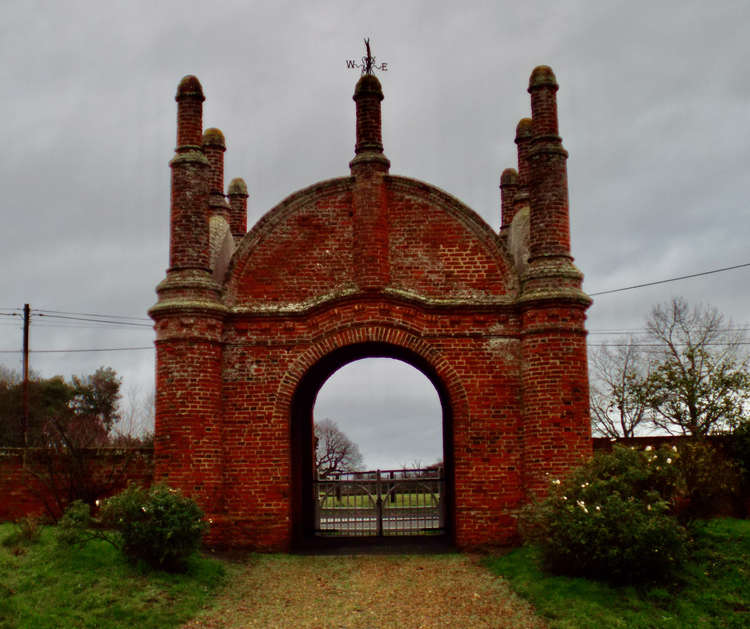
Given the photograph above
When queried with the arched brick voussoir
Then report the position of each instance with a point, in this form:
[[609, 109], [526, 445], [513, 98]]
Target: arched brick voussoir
[[384, 341], [291, 238]]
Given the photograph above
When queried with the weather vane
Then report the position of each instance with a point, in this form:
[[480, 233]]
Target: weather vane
[[368, 63]]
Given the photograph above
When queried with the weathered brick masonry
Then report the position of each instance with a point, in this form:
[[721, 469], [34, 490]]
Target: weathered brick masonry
[[249, 326]]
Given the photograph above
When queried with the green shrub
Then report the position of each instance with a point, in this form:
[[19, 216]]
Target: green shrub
[[72, 527], [611, 519], [26, 531], [158, 525]]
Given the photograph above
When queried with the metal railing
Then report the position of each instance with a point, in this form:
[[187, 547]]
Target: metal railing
[[380, 503]]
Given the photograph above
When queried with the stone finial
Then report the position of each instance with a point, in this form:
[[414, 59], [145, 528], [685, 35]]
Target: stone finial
[[524, 129], [214, 137], [189, 88], [508, 178], [237, 187], [542, 76]]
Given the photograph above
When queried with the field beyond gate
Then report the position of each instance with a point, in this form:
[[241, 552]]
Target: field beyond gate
[[380, 503]]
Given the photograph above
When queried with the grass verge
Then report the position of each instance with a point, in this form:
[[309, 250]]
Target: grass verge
[[44, 585], [713, 590]]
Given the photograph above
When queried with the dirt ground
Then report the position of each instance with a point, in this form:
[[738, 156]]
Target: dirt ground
[[365, 591]]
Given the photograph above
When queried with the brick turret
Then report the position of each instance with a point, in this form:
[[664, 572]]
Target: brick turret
[[551, 271], [557, 432], [189, 99], [188, 246], [508, 191], [188, 317], [214, 147], [548, 183], [368, 168], [524, 136], [237, 194], [368, 95]]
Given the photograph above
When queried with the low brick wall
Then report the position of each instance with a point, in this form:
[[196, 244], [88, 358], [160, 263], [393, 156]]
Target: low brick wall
[[25, 483], [733, 503], [605, 444], [23, 493]]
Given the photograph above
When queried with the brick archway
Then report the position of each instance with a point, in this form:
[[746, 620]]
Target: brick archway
[[365, 343], [249, 324]]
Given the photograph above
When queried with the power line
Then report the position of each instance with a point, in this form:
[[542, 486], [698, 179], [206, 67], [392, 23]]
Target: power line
[[80, 325], [661, 345], [90, 314], [644, 331], [76, 350], [671, 279], [110, 321]]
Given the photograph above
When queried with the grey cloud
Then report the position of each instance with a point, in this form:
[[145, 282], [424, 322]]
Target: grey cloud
[[653, 109]]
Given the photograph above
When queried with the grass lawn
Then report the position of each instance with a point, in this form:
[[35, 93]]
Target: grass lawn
[[712, 591], [45, 585]]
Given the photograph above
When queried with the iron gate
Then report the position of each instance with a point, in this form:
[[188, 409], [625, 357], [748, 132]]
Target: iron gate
[[382, 502]]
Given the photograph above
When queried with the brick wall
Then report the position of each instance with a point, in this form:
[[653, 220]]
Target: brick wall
[[24, 481]]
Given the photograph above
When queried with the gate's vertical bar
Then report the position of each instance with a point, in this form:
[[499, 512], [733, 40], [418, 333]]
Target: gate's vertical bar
[[441, 497], [316, 497], [379, 504]]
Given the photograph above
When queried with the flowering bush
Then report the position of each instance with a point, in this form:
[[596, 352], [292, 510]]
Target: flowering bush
[[158, 525], [611, 519]]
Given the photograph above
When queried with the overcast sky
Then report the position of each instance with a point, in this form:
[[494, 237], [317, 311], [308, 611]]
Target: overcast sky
[[654, 107]]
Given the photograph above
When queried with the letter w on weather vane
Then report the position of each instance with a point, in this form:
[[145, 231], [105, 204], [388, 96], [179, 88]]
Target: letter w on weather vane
[[368, 62]]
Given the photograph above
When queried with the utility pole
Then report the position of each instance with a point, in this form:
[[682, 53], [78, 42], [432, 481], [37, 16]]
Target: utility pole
[[24, 428]]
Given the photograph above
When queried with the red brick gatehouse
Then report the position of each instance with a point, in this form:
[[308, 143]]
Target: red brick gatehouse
[[249, 324]]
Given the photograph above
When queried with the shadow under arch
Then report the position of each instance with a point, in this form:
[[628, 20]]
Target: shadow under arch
[[301, 428]]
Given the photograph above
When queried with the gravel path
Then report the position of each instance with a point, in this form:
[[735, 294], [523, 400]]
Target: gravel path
[[365, 591]]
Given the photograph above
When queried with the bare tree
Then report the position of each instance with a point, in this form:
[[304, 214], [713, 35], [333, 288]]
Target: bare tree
[[136, 424], [700, 382], [619, 390], [334, 451]]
